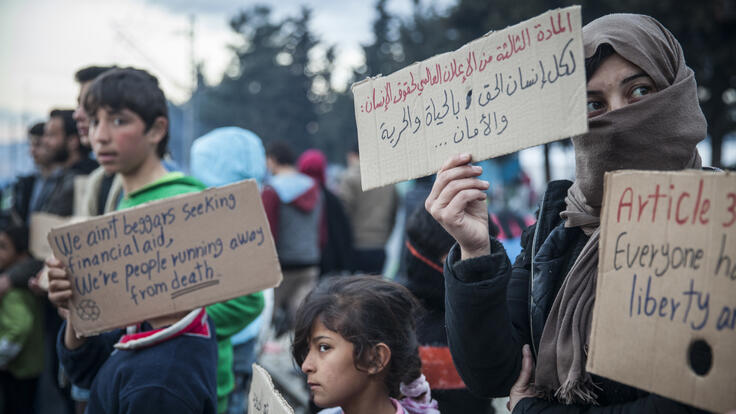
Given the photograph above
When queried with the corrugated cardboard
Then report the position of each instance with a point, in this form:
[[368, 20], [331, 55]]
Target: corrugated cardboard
[[263, 398], [508, 90], [38, 230], [667, 279], [167, 256]]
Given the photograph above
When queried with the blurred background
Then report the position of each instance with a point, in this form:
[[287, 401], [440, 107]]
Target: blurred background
[[283, 69]]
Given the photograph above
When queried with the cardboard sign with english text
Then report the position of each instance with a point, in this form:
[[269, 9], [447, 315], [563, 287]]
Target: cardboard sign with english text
[[508, 90], [664, 318], [168, 256]]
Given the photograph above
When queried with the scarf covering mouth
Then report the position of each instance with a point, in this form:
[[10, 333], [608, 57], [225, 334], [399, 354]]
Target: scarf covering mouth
[[659, 132]]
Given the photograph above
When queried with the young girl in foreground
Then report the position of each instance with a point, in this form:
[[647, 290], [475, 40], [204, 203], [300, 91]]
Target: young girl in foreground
[[355, 341]]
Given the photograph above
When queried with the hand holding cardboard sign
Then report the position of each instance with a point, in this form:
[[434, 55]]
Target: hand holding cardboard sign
[[60, 293], [457, 202], [60, 287]]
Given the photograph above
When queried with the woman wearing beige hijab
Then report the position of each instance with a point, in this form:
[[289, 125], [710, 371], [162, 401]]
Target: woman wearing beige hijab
[[643, 114]]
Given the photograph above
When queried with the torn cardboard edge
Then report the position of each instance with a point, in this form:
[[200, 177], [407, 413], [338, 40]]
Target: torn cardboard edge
[[263, 396]]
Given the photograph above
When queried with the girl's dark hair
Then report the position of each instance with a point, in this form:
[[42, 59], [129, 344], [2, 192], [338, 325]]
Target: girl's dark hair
[[365, 310], [132, 89], [594, 62]]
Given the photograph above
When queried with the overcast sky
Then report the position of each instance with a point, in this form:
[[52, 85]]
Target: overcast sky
[[44, 42]]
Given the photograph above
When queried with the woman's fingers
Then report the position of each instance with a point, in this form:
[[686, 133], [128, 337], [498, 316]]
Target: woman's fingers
[[454, 168], [454, 212], [527, 366], [453, 188]]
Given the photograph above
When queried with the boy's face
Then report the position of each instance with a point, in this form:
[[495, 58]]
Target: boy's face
[[80, 117], [120, 140], [8, 254]]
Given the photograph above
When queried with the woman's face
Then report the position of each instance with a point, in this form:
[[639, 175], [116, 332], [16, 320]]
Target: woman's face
[[615, 84]]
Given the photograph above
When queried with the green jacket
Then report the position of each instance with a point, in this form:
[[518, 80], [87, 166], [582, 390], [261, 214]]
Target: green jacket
[[21, 334], [230, 316]]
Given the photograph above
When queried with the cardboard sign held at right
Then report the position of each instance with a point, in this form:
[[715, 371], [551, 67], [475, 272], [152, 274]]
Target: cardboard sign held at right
[[508, 90], [664, 318]]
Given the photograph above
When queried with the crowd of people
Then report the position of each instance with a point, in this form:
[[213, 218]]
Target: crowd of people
[[463, 325]]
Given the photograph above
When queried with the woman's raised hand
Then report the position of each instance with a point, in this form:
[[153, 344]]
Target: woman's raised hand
[[457, 202]]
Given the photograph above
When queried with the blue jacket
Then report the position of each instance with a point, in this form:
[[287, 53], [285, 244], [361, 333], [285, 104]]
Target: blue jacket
[[175, 376]]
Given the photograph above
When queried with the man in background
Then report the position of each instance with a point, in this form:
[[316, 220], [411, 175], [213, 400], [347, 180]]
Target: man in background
[[372, 216]]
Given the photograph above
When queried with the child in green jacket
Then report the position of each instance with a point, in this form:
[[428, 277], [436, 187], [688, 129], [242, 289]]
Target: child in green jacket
[[21, 335]]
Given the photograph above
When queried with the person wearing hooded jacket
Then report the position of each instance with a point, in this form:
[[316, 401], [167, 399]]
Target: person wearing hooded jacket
[[220, 157], [643, 114], [293, 203], [336, 236]]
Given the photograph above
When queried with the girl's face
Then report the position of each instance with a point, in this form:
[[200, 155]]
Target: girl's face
[[331, 373], [615, 84]]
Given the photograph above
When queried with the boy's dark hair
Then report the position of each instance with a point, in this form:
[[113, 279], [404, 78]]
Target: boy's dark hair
[[281, 152], [36, 129], [70, 127], [90, 73], [132, 89], [17, 233], [594, 62], [365, 310]]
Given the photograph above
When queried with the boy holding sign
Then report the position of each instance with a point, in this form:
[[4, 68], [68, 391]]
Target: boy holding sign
[[175, 356]]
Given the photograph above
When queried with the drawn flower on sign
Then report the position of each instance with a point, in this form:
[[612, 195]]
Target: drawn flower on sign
[[87, 310]]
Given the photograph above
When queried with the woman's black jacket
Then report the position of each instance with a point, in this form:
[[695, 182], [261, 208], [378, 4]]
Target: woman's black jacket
[[493, 308]]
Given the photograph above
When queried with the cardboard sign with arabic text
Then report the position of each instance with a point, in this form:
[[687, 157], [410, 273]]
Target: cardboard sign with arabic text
[[664, 318], [508, 90], [167, 256]]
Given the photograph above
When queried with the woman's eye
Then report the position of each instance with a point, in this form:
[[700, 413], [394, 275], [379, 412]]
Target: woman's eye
[[323, 348], [594, 106], [640, 91]]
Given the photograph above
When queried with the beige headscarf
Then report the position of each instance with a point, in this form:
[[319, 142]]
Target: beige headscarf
[[656, 133]]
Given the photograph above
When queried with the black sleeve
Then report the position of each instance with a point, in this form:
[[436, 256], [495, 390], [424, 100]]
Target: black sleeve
[[485, 348], [649, 404], [82, 364], [20, 273]]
